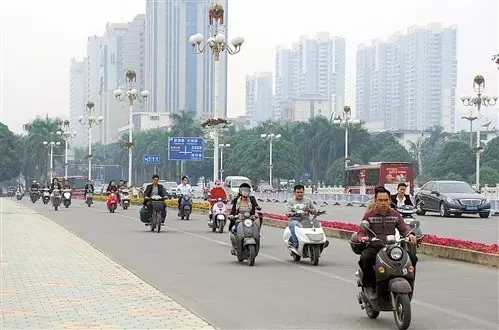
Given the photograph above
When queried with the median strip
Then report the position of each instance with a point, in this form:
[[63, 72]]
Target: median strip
[[449, 248]]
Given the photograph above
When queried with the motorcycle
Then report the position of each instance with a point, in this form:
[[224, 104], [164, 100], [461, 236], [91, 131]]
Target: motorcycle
[[395, 278], [19, 196], [66, 197], [218, 216], [34, 195], [245, 238], [112, 202], [45, 195], [185, 207], [89, 199], [125, 198], [56, 198], [407, 211], [311, 238], [158, 203]]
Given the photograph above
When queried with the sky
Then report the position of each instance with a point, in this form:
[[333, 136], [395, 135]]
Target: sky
[[39, 38]]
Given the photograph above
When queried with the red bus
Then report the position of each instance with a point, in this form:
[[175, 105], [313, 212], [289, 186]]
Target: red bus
[[77, 183], [363, 179]]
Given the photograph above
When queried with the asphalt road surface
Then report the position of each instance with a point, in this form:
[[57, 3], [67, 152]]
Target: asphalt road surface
[[194, 266], [472, 228]]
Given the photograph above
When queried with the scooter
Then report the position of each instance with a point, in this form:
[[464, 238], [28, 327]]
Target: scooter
[[19, 196], [185, 207], [125, 198], [218, 216], [34, 195], [66, 197], [112, 202], [158, 203], [89, 199], [245, 238], [311, 238], [45, 195], [56, 198], [407, 211], [395, 278]]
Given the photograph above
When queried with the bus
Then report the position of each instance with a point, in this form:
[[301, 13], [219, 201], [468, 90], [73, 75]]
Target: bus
[[363, 179], [77, 182]]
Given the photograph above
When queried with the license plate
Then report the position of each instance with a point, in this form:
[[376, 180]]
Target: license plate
[[472, 208]]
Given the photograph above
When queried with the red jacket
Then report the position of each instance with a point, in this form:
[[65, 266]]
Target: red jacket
[[384, 225], [215, 193]]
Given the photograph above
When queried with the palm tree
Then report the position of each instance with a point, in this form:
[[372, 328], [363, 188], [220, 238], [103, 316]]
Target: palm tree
[[416, 149], [184, 123]]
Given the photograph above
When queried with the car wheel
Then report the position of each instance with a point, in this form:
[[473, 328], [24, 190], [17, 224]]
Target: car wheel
[[443, 210], [484, 215]]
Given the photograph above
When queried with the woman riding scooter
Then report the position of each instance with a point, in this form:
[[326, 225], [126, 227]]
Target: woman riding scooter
[[215, 193], [243, 203]]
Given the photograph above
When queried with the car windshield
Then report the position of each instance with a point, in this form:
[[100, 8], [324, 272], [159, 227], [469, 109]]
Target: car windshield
[[455, 188], [171, 185], [236, 183]]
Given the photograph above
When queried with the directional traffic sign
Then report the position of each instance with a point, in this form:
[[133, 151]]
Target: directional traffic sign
[[185, 148], [152, 159]]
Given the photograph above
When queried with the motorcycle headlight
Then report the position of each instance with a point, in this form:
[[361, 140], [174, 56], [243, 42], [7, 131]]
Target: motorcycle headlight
[[396, 253], [220, 217], [248, 223]]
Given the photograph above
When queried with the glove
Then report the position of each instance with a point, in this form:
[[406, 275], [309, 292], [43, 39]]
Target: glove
[[365, 239]]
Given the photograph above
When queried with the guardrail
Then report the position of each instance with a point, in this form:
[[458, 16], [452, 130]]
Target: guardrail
[[338, 199]]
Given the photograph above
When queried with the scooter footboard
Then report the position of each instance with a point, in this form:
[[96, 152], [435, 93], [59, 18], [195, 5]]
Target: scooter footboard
[[399, 285]]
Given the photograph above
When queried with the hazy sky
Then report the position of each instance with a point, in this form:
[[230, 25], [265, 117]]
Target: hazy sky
[[38, 39]]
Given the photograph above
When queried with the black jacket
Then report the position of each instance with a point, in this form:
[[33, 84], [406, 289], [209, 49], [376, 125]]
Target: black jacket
[[407, 200], [253, 202], [148, 192], [52, 186], [89, 188]]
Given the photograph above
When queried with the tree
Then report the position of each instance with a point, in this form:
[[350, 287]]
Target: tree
[[11, 149], [491, 152], [456, 157]]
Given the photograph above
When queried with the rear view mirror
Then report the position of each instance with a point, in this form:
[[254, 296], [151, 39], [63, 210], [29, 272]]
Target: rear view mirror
[[365, 226], [415, 224], [434, 192]]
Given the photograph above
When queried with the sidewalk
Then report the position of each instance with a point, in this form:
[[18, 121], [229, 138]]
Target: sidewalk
[[51, 279]]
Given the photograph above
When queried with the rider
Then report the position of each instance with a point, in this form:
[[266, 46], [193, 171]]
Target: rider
[[302, 203], [35, 185], [66, 185], [89, 188], [55, 185], [384, 220], [243, 203], [183, 189], [121, 184], [401, 198], [111, 187], [154, 189], [215, 193]]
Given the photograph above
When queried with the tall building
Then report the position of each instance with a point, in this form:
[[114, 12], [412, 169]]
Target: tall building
[[92, 59], [77, 99], [312, 67], [259, 97], [112, 77], [409, 82], [177, 77]]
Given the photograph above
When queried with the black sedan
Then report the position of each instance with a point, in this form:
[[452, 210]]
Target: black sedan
[[451, 197]]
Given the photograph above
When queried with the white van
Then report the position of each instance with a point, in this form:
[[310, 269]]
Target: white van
[[232, 183]]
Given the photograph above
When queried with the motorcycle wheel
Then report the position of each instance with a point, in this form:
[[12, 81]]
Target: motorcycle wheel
[[402, 314], [213, 225], [153, 222], [158, 223], [221, 226], [187, 216], [251, 255], [371, 313], [315, 254], [56, 207]]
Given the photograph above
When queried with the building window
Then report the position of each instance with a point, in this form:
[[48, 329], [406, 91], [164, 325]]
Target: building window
[[154, 118]]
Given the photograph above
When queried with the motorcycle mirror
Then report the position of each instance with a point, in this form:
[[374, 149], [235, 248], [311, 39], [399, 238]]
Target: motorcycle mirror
[[365, 225], [259, 208], [415, 224]]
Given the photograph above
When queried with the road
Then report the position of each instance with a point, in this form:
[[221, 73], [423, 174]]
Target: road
[[192, 265], [472, 228]]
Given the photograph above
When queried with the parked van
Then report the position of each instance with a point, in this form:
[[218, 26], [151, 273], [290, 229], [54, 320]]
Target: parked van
[[232, 183]]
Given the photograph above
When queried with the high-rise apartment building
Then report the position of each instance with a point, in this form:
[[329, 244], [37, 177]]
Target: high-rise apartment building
[[312, 67], [177, 77], [409, 82], [259, 97], [92, 60], [77, 99]]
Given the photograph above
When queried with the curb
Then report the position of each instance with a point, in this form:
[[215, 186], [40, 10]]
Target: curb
[[439, 251]]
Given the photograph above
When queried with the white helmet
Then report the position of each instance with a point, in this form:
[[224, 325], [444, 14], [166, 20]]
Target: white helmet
[[34, 181]]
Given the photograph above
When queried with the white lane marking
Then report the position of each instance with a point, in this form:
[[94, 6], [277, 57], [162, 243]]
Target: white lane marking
[[476, 229], [323, 273]]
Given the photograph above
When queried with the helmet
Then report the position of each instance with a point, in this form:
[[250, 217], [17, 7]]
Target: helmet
[[34, 181], [244, 189], [355, 244]]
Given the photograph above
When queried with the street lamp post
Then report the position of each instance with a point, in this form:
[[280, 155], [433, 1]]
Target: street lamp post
[[471, 119], [271, 137], [89, 120], [51, 145], [216, 43], [478, 101], [222, 147], [130, 96], [346, 119], [66, 135]]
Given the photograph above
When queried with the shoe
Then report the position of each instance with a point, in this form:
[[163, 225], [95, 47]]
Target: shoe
[[370, 293]]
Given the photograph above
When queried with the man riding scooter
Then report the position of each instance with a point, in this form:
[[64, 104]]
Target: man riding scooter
[[215, 193]]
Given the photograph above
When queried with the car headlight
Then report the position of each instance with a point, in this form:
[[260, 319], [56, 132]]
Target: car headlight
[[396, 253], [449, 200], [248, 223]]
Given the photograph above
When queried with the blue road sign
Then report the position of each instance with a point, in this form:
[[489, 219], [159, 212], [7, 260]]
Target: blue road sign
[[152, 159], [185, 148]]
